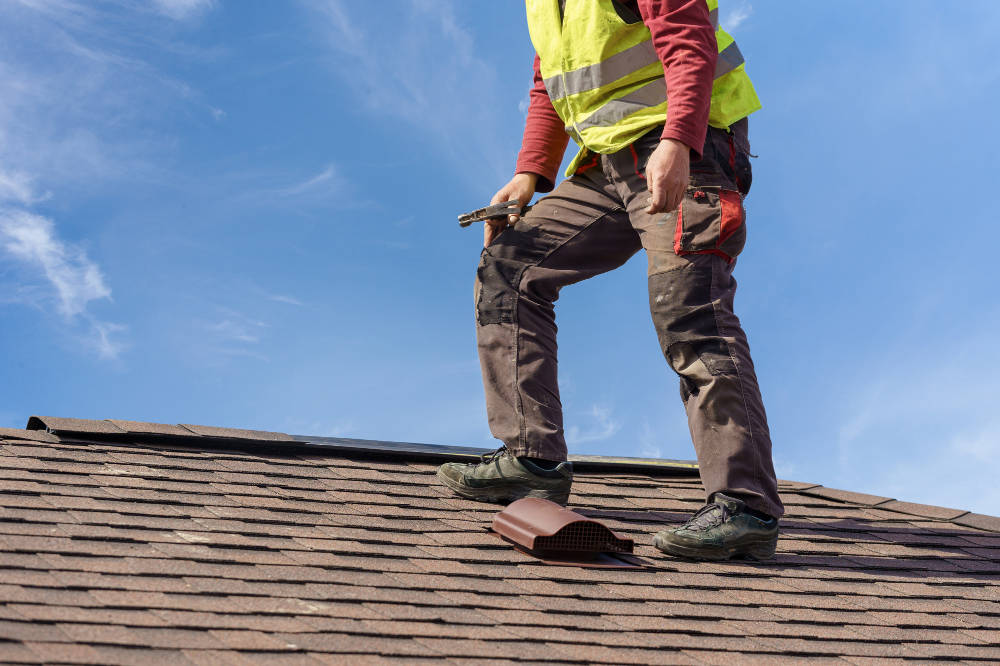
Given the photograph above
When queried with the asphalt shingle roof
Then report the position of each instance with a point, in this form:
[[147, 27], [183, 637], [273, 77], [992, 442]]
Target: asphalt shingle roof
[[143, 543]]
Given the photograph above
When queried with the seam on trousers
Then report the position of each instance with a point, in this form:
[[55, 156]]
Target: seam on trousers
[[522, 427], [571, 238], [743, 395], [522, 440], [664, 272]]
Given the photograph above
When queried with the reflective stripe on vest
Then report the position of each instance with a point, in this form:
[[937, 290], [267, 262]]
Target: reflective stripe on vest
[[729, 59], [623, 64], [611, 113], [599, 74]]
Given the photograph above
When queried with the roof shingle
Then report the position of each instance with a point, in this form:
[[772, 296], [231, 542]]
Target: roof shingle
[[154, 546]]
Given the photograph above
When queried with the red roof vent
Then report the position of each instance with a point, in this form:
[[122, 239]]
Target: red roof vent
[[545, 527]]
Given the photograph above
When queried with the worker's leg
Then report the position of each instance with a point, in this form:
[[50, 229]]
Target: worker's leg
[[691, 291], [576, 232], [701, 337]]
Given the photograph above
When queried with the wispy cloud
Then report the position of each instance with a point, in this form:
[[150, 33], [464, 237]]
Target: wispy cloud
[[348, 40], [327, 180], [650, 442], [959, 473], [73, 279], [928, 432], [979, 444], [75, 109], [735, 16], [785, 469], [288, 300], [230, 333], [17, 187], [409, 83], [74, 53], [294, 191], [602, 426], [77, 104], [236, 327], [102, 338], [183, 9]]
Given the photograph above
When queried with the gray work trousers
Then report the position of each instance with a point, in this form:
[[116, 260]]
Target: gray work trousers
[[592, 223]]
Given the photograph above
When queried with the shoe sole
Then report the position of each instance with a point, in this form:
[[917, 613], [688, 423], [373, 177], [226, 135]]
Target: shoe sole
[[759, 550], [502, 495]]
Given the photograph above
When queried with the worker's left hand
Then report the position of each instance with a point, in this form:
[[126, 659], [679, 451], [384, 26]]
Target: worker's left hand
[[667, 173]]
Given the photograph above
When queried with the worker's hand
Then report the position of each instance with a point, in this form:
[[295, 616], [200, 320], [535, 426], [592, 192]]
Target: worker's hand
[[667, 173], [520, 187]]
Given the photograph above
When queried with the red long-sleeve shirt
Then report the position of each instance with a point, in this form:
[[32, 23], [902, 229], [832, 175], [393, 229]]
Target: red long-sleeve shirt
[[684, 39]]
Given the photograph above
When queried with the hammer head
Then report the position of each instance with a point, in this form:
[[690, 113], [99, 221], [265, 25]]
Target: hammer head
[[511, 207]]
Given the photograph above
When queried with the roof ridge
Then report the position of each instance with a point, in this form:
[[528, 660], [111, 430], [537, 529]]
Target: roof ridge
[[148, 432], [115, 429]]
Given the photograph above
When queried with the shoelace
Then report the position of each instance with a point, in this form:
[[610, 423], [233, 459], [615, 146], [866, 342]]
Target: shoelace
[[707, 517], [487, 458]]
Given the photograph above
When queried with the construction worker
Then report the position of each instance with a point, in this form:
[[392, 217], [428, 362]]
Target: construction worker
[[657, 97]]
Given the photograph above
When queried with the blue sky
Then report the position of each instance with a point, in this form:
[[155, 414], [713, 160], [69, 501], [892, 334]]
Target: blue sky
[[243, 214]]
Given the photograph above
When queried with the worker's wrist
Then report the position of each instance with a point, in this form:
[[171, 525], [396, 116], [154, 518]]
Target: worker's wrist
[[682, 139], [675, 143], [528, 178]]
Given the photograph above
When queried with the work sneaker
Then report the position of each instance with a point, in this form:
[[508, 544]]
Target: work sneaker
[[721, 529], [502, 477]]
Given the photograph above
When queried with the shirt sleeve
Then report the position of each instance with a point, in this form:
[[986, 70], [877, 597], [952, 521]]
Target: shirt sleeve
[[545, 138], [684, 39]]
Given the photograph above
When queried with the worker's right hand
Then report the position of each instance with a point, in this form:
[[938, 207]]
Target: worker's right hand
[[520, 187]]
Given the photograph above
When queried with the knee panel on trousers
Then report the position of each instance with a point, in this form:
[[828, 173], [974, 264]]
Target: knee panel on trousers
[[501, 268], [497, 280], [683, 311]]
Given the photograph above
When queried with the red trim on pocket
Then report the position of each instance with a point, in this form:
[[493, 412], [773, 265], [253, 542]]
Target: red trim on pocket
[[635, 161], [587, 166], [732, 214], [679, 229]]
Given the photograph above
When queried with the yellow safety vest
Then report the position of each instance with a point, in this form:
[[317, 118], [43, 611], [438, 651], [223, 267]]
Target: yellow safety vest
[[606, 80]]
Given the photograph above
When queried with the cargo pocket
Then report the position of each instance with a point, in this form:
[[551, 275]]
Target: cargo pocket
[[710, 220]]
